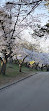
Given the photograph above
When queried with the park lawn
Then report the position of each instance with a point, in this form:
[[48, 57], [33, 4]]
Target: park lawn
[[12, 70], [13, 74]]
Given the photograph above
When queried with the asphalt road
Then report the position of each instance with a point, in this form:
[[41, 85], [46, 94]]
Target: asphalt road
[[31, 94]]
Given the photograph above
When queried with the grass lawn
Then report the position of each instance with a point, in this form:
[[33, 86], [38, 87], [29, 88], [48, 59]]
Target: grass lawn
[[12, 73]]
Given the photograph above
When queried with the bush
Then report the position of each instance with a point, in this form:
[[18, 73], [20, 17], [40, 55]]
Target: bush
[[47, 24]]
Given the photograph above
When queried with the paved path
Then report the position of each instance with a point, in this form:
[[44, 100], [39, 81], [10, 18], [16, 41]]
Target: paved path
[[31, 94]]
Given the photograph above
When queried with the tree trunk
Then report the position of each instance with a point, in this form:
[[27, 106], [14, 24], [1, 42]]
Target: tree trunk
[[3, 67], [20, 67]]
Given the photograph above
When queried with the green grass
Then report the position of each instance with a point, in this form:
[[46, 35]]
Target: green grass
[[12, 73], [13, 70]]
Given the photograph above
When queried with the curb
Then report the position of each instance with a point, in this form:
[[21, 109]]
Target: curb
[[10, 84]]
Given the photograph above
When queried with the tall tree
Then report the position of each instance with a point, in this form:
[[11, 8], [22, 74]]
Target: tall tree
[[12, 18], [21, 62]]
